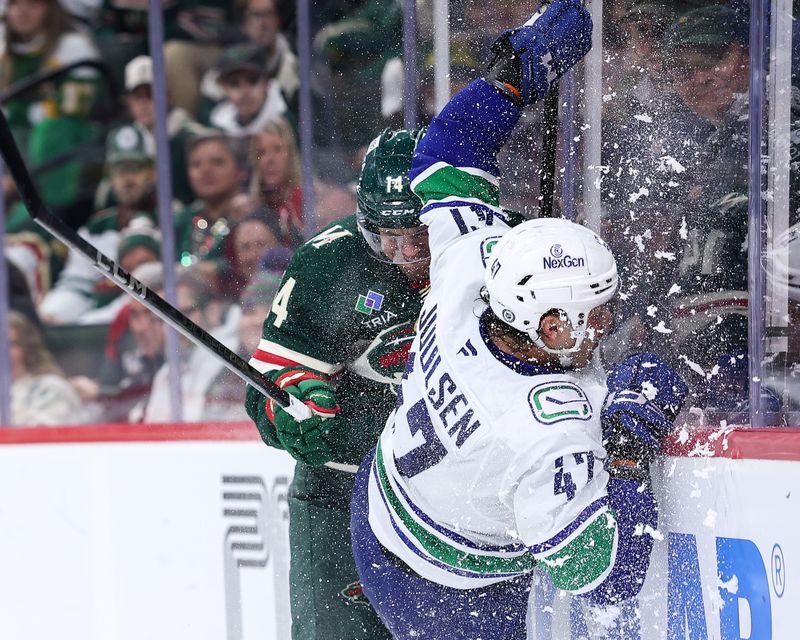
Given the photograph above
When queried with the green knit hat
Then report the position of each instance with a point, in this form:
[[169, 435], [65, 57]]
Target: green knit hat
[[715, 25], [261, 290], [250, 57], [140, 232], [129, 144]]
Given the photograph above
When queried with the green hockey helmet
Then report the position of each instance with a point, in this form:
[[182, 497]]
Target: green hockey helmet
[[386, 205]]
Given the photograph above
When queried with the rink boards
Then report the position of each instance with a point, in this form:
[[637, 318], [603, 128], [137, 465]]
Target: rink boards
[[161, 532], [726, 559], [180, 532]]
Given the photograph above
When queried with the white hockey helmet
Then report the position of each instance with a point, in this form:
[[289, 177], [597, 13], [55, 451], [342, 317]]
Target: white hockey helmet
[[548, 264]]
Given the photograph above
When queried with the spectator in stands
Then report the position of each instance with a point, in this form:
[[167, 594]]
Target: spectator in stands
[[134, 352], [197, 300], [227, 388], [120, 29], [711, 60], [180, 126], [356, 46], [195, 31], [216, 174], [644, 121], [139, 243], [707, 315], [261, 24], [40, 395], [250, 238], [37, 255], [252, 97], [51, 118], [332, 202], [276, 179], [131, 167]]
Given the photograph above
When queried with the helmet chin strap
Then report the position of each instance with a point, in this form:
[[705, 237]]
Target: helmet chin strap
[[565, 355]]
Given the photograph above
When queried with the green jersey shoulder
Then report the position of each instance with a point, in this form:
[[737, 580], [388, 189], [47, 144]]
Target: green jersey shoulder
[[335, 299]]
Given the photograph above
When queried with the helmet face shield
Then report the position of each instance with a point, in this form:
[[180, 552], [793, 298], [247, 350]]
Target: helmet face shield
[[403, 245]]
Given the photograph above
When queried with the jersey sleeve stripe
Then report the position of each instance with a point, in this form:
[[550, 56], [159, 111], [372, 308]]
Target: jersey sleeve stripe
[[588, 559], [452, 535], [448, 181], [406, 538], [263, 366], [436, 166], [439, 550], [271, 353], [264, 362], [578, 524]]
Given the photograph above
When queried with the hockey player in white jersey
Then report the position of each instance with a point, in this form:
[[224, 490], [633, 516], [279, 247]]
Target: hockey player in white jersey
[[509, 446]]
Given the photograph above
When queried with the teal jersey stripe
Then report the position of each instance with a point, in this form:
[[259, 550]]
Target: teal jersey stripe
[[451, 182], [585, 559], [442, 550]]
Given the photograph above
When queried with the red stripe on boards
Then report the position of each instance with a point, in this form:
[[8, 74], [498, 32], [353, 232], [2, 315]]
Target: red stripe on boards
[[178, 432], [738, 443]]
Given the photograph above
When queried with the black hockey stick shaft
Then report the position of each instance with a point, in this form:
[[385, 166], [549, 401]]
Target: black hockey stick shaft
[[547, 169], [111, 270], [547, 183]]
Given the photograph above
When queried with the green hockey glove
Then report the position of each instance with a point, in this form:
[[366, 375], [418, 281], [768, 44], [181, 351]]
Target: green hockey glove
[[313, 440]]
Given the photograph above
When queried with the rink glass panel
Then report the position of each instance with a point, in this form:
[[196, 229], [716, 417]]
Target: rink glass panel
[[633, 161], [673, 171]]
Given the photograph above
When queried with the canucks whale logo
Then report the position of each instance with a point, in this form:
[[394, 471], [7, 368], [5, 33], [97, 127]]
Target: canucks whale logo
[[553, 402]]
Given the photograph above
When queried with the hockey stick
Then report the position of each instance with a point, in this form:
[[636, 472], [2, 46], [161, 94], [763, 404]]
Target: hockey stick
[[111, 270], [547, 184]]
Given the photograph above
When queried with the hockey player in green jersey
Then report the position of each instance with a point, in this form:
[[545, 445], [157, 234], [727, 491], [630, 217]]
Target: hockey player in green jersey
[[337, 336]]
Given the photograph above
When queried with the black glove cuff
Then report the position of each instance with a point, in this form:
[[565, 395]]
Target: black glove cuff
[[623, 445], [619, 469], [504, 71]]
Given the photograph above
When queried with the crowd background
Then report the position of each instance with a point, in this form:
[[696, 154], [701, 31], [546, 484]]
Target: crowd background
[[77, 86]]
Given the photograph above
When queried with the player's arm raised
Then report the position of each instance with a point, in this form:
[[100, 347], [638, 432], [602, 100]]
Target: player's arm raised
[[455, 171]]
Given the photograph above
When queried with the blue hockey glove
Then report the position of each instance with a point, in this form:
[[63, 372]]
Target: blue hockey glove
[[312, 441], [649, 373], [645, 396], [529, 59]]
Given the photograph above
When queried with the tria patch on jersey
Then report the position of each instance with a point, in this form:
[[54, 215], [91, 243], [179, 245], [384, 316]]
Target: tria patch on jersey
[[366, 304], [553, 402]]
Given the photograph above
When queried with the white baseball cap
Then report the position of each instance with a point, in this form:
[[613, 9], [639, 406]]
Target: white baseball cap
[[138, 71]]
